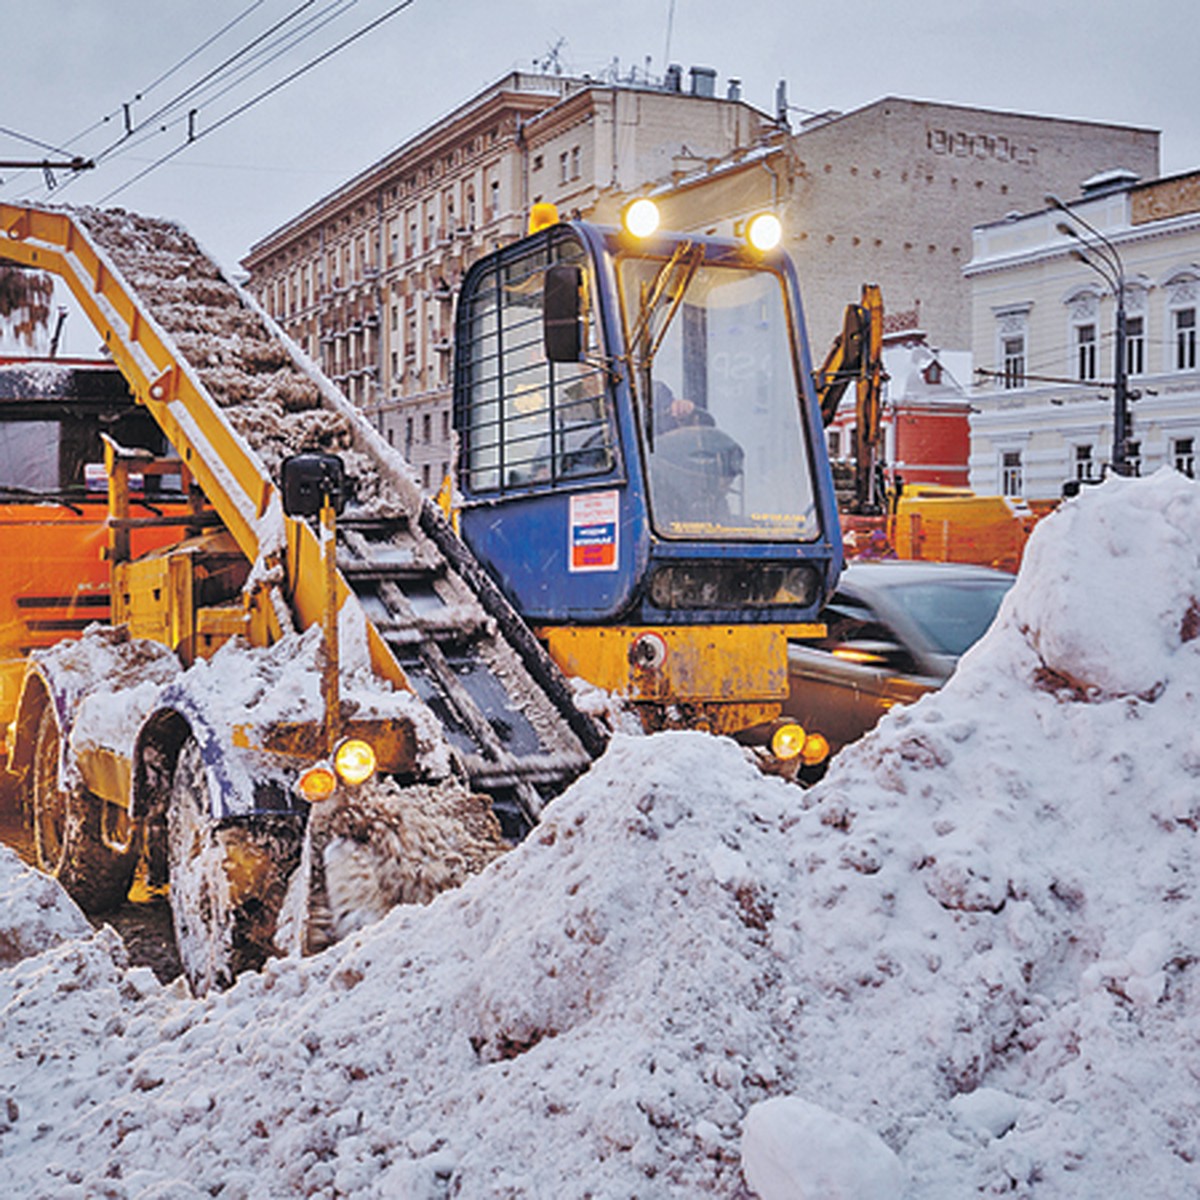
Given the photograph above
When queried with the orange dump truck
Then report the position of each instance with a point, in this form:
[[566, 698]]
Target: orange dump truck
[[54, 532], [946, 524]]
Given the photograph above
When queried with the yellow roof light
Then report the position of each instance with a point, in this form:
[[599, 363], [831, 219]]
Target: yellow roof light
[[317, 783], [542, 215], [787, 741], [354, 760], [764, 231], [640, 217]]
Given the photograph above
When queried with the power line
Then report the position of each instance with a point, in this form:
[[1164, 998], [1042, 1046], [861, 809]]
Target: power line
[[275, 87], [204, 45], [282, 46], [151, 86], [31, 141], [216, 71]]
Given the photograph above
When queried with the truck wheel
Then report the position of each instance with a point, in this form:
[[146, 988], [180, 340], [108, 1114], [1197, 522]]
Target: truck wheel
[[200, 907], [69, 828], [228, 878]]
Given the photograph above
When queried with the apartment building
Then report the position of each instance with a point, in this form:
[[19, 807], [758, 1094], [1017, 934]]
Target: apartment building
[[365, 279], [1045, 335]]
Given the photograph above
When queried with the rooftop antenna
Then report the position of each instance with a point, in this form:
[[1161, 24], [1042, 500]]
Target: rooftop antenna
[[552, 63]]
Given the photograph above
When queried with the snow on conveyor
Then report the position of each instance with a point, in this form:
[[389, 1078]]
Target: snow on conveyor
[[964, 965]]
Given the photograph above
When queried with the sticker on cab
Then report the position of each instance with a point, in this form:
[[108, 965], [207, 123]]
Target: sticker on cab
[[592, 531]]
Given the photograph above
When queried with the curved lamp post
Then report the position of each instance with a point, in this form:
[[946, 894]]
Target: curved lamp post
[[1106, 262]]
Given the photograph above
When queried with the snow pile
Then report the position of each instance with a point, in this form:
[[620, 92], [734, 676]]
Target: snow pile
[[35, 913], [964, 965]]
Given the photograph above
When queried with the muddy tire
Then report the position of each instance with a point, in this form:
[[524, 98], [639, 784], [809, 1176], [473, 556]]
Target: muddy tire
[[87, 844], [228, 879], [200, 908]]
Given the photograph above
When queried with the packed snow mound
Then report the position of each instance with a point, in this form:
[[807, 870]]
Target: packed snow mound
[[972, 949], [794, 1150], [35, 913], [1110, 591]]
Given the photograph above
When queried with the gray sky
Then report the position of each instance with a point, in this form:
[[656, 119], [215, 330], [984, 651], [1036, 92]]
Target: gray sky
[[70, 64]]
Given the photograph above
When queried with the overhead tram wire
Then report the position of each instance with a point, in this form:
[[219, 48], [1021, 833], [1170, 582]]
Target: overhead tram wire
[[204, 45], [270, 91], [155, 83], [189, 91], [274, 51]]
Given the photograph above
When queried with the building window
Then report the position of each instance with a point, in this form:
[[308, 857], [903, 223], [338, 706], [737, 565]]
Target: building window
[[1183, 322], [576, 158], [1012, 340], [427, 429], [1133, 458], [1083, 462], [1135, 345], [1183, 455], [835, 444], [1085, 352], [1012, 482], [1014, 362], [563, 167]]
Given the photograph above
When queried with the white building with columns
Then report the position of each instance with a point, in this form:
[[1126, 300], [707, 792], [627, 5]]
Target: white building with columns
[[1044, 336]]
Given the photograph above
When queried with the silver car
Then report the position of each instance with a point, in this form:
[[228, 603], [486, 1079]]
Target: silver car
[[895, 630]]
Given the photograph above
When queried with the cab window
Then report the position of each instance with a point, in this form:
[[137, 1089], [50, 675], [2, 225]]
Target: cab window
[[524, 422]]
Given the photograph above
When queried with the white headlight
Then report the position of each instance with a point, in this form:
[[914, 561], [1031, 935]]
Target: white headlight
[[641, 217], [764, 231]]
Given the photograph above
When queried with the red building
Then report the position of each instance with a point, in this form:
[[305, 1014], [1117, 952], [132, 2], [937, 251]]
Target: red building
[[926, 410]]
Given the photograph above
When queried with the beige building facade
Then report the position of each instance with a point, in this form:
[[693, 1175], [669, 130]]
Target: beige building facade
[[890, 193], [1045, 337]]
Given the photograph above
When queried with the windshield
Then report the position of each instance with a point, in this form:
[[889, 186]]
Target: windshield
[[724, 441], [953, 616]]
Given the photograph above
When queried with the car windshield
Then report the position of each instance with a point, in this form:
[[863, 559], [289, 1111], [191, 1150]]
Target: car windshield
[[725, 445], [952, 614]]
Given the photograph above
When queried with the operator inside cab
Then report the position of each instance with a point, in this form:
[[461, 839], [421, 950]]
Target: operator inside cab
[[695, 466]]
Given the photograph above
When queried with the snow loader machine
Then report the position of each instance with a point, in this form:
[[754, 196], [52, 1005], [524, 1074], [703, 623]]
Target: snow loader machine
[[291, 675], [138, 743]]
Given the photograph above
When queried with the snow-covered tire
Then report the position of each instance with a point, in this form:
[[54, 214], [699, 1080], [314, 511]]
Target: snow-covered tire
[[69, 828], [200, 907], [220, 934]]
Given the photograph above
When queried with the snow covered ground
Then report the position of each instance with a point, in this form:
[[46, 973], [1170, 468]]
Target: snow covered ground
[[965, 964]]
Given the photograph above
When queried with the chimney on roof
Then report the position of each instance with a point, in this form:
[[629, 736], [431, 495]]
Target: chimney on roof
[[674, 80], [704, 81], [734, 90], [781, 105], [1118, 179]]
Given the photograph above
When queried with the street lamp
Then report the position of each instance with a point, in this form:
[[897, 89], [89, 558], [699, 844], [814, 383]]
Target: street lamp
[[1106, 262]]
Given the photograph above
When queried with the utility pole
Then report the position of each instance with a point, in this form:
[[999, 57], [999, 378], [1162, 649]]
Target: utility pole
[[1106, 262]]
